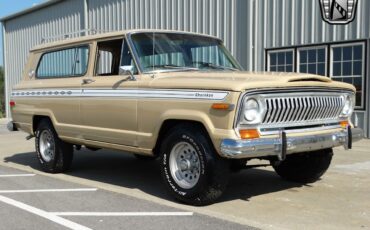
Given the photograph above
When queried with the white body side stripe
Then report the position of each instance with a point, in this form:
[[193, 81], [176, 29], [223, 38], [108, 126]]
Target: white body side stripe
[[130, 93]]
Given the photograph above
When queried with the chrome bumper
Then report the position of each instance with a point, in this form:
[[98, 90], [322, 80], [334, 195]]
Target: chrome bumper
[[285, 144]]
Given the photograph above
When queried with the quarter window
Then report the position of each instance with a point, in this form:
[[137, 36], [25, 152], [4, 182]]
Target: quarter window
[[70, 62], [347, 65], [312, 61]]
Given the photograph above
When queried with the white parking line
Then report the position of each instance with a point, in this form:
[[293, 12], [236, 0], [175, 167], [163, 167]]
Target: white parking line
[[49, 190], [18, 175], [41, 213], [122, 213]]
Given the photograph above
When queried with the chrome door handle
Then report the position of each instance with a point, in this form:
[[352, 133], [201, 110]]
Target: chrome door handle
[[87, 81]]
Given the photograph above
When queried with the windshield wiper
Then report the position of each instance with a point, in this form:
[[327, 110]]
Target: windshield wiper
[[214, 66], [170, 66]]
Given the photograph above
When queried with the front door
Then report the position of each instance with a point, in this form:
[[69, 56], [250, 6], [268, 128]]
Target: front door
[[108, 109]]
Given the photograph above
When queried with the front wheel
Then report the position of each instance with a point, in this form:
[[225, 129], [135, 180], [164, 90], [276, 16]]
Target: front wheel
[[191, 169], [55, 155], [305, 167]]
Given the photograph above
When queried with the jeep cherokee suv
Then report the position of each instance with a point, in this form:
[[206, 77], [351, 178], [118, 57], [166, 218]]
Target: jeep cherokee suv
[[180, 97]]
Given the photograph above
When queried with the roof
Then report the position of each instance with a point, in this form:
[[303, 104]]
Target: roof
[[88, 38], [29, 10]]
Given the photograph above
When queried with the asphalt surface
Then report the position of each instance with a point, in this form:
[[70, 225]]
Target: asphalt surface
[[43, 193], [256, 197]]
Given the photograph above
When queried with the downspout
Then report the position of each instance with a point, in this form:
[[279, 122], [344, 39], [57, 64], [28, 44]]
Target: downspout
[[7, 112], [86, 17]]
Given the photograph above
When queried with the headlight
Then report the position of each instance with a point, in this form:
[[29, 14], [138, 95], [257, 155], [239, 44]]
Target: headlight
[[252, 111], [349, 104]]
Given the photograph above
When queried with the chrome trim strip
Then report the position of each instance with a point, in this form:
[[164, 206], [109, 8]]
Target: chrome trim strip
[[130, 93], [299, 130]]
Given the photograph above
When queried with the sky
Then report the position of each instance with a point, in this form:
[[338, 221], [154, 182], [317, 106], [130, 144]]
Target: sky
[[8, 7]]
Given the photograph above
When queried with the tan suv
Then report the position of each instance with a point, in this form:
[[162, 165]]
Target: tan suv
[[183, 98]]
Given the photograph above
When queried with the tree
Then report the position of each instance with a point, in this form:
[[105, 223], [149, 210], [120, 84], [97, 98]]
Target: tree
[[2, 92]]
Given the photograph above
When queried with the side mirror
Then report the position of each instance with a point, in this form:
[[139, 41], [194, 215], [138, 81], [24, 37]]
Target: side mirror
[[127, 70]]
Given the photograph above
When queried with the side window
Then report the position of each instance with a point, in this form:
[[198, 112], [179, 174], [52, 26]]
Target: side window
[[105, 63], [108, 58], [71, 62], [281, 61]]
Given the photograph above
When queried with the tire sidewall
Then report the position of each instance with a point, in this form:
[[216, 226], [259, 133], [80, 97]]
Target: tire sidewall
[[47, 166], [200, 149]]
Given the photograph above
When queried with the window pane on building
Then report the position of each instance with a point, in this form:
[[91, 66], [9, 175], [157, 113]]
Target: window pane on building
[[337, 54], [347, 66], [312, 60], [357, 52], [281, 61], [347, 53]]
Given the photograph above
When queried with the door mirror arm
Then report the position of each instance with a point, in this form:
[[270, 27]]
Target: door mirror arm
[[127, 70]]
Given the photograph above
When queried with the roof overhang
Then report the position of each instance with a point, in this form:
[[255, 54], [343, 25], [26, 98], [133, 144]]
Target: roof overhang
[[29, 10]]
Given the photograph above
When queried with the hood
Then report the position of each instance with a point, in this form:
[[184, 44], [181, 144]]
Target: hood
[[241, 81]]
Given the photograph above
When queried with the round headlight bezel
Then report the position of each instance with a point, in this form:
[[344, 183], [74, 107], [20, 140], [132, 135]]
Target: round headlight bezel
[[349, 105], [253, 111]]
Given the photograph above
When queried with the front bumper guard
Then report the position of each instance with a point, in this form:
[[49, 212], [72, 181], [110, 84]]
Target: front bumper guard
[[284, 144]]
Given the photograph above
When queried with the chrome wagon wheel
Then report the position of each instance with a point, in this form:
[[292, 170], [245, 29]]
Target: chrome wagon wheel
[[47, 145], [184, 165]]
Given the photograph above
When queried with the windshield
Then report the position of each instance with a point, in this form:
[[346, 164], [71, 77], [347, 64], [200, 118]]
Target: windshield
[[181, 52]]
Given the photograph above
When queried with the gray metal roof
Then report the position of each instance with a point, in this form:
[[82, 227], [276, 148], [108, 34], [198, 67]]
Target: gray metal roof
[[29, 10]]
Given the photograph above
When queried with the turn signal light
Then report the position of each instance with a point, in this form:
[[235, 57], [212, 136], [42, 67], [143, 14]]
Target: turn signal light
[[222, 106], [344, 124], [249, 133], [12, 104]]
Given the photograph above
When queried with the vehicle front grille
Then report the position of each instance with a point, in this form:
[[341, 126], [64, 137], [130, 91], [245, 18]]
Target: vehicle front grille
[[302, 109]]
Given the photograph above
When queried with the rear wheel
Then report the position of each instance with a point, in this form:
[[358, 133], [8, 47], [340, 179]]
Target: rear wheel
[[305, 167], [54, 155], [191, 169]]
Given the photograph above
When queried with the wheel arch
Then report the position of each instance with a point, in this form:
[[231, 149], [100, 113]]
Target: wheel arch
[[169, 123], [36, 119]]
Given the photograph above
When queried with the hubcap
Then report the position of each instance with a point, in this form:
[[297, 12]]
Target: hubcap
[[47, 145], [184, 165]]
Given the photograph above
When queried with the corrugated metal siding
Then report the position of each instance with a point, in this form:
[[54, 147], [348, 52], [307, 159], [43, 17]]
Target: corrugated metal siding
[[246, 26], [215, 17], [26, 31], [296, 22]]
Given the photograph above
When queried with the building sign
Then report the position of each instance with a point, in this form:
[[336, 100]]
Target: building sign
[[338, 11]]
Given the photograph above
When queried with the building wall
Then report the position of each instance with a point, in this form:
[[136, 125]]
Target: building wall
[[248, 27], [26, 31], [296, 23]]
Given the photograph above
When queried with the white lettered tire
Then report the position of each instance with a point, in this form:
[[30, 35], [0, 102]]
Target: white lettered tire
[[54, 155], [191, 169]]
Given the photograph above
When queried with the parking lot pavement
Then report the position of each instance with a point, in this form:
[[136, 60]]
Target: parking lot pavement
[[257, 197], [31, 201]]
